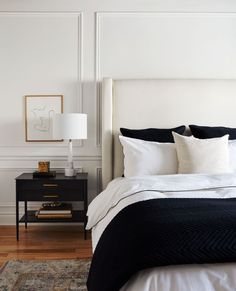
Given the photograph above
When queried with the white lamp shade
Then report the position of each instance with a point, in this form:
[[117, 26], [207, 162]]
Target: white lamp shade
[[70, 126]]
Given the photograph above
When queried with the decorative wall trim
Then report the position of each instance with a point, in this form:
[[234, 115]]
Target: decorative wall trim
[[79, 97], [97, 81], [38, 146], [79, 100], [31, 169], [47, 152], [98, 114], [99, 16], [19, 169], [80, 63], [99, 179], [51, 158]]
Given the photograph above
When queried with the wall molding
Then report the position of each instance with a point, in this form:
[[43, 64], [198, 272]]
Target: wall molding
[[79, 99], [101, 14], [49, 157], [32, 169], [80, 42], [98, 114], [47, 152], [97, 79], [99, 179]]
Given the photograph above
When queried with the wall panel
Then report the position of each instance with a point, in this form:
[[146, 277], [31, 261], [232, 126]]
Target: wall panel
[[166, 45], [62, 47]]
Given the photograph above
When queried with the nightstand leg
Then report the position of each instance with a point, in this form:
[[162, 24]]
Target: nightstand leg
[[26, 214], [17, 219]]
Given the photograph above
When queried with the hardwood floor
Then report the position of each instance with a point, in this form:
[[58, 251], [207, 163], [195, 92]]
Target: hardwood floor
[[44, 242]]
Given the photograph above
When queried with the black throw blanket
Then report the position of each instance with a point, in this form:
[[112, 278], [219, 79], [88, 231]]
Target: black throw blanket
[[161, 232]]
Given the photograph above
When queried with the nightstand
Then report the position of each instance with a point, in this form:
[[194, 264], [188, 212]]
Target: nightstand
[[59, 188]]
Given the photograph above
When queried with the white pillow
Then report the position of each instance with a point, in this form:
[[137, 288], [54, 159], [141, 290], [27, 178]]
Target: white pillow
[[232, 154], [206, 156], [148, 158]]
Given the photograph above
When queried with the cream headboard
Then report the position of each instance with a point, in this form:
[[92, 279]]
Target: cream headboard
[[160, 103]]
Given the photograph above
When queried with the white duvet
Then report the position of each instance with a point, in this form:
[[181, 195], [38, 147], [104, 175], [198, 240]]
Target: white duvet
[[122, 192]]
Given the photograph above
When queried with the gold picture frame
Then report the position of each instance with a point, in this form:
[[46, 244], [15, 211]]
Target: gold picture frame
[[39, 111]]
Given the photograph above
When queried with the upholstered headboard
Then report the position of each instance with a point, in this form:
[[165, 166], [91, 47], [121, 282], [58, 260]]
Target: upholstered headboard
[[160, 103]]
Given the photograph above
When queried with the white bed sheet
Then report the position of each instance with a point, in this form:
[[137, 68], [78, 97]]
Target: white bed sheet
[[122, 192], [220, 277]]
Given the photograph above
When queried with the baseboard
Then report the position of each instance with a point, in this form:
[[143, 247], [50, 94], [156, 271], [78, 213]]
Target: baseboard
[[8, 214], [7, 219]]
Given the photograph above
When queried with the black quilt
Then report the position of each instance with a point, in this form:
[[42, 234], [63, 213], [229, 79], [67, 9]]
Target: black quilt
[[162, 232]]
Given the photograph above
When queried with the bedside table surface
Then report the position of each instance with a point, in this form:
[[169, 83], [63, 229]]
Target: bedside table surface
[[59, 176]]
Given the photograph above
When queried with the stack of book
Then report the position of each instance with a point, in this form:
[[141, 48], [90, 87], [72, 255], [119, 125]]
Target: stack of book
[[54, 211]]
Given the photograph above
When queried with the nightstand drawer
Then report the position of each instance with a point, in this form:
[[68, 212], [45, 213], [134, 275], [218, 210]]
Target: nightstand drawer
[[51, 185], [49, 195]]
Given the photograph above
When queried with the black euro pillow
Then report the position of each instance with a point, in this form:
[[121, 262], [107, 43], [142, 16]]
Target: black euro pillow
[[203, 132], [153, 134]]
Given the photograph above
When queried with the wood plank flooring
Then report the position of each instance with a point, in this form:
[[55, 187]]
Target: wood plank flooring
[[44, 242]]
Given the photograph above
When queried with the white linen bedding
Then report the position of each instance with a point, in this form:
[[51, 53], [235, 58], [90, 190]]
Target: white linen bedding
[[207, 277], [122, 192]]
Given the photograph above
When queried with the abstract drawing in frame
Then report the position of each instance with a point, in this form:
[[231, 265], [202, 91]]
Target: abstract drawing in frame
[[39, 111]]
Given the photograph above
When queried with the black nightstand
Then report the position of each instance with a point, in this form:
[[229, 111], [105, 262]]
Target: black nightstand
[[59, 188]]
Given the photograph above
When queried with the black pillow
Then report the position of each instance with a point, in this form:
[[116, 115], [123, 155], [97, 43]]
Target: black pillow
[[212, 131], [153, 134]]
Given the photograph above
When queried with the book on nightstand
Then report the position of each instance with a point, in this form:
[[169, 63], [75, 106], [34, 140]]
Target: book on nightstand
[[54, 210], [52, 216]]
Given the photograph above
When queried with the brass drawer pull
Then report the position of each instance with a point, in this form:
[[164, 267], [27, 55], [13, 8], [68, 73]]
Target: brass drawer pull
[[50, 185], [50, 196]]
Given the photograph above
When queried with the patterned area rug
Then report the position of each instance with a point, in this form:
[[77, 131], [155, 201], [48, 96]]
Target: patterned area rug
[[50, 275]]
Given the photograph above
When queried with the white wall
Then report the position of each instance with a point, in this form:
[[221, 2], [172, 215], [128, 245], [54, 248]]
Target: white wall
[[67, 46]]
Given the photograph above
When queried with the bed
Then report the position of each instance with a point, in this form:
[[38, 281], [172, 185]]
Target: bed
[[135, 242]]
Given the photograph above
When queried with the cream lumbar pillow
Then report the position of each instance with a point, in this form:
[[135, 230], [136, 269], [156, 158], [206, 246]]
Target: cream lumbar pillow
[[206, 156]]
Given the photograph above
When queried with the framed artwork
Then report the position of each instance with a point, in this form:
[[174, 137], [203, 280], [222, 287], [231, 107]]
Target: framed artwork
[[39, 111]]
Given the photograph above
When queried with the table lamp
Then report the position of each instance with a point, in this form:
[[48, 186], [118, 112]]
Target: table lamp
[[70, 126]]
